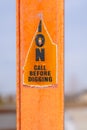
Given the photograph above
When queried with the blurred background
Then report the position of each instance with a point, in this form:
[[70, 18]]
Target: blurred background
[[75, 65]]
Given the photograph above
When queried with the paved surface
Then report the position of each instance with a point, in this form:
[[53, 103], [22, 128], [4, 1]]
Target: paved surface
[[7, 117], [7, 121], [78, 117]]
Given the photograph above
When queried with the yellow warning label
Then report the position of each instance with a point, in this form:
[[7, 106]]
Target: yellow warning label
[[40, 68]]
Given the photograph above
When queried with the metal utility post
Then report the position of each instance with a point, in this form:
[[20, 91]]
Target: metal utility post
[[40, 63]]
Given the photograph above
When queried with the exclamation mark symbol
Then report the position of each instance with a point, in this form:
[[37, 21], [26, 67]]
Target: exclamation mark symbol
[[40, 26]]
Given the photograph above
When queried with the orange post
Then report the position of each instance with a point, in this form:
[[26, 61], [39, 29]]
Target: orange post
[[40, 62]]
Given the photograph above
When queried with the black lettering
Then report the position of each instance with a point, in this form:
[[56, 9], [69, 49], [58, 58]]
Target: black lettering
[[40, 54]]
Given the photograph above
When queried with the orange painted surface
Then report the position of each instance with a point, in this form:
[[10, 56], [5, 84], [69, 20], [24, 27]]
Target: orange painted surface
[[39, 108], [47, 68]]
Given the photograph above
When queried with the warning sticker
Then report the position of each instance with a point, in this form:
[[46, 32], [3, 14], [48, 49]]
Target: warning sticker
[[40, 68]]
